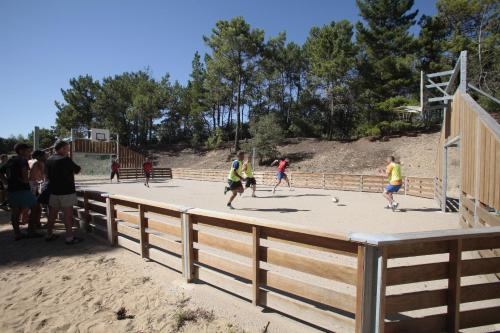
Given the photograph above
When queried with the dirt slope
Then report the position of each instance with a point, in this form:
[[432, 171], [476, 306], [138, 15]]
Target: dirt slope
[[417, 155]]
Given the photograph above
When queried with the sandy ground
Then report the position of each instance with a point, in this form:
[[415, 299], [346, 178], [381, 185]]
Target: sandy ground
[[50, 287], [356, 212]]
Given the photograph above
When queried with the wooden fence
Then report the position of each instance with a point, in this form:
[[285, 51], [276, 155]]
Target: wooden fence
[[416, 186], [134, 173], [345, 283], [477, 135], [128, 157]]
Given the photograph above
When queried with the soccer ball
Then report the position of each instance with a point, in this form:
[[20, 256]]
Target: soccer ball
[[335, 199]]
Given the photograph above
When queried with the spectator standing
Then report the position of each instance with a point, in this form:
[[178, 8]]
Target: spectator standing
[[61, 170], [20, 197]]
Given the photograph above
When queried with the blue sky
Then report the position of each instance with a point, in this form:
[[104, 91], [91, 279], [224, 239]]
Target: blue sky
[[45, 43]]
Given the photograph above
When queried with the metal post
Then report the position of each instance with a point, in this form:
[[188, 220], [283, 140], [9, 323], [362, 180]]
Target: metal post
[[445, 179], [187, 246], [253, 158], [36, 138], [373, 290], [463, 72]]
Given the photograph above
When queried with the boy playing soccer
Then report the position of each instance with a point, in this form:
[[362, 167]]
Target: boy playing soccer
[[280, 175], [250, 179], [393, 173], [147, 168], [235, 178]]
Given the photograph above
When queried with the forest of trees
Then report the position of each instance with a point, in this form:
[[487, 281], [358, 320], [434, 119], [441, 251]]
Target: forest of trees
[[344, 82]]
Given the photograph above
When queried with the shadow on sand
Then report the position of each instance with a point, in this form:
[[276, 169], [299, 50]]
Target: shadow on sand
[[33, 251], [426, 210]]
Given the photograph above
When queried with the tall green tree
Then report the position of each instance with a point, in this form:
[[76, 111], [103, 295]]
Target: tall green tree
[[77, 111], [387, 52], [331, 54], [235, 47]]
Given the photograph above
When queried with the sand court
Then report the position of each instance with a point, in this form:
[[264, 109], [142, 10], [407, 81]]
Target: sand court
[[312, 208]]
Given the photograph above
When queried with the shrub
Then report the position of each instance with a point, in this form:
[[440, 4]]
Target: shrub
[[266, 134], [215, 140]]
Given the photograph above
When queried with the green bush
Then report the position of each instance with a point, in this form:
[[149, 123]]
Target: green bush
[[399, 126], [215, 140], [384, 127], [266, 134], [373, 131]]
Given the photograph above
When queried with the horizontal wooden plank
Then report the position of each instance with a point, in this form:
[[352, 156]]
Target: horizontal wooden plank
[[482, 243], [310, 241], [416, 300], [97, 208], [94, 195], [222, 243], [480, 266], [224, 264], [129, 244], [329, 320], [417, 249], [128, 231], [435, 323], [309, 265], [221, 224], [165, 244], [225, 282], [309, 291], [480, 317], [488, 218], [166, 259], [417, 273], [479, 292], [163, 227], [127, 217]]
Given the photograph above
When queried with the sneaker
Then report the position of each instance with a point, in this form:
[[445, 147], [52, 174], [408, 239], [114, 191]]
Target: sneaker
[[387, 207], [74, 240], [254, 196], [230, 206], [395, 206]]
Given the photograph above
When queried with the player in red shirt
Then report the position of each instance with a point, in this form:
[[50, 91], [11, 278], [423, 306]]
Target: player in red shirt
[[115, 170], [280, 175], [147, 168]]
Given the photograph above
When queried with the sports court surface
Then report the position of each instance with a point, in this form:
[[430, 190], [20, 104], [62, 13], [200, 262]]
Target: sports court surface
[[355, 211]]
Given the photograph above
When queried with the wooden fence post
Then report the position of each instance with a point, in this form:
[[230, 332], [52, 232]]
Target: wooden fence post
[[111, 223], [455, 273], [361, 183], [324, 182], [144, 241], [86, 210], [187, 246], [255, 264]]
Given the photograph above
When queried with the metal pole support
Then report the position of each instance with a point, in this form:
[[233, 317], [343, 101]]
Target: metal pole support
[[372, 298], [187, 246]]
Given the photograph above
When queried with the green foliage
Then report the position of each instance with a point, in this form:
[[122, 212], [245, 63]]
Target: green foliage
[[266, 135], [335, 86], [215, 140]]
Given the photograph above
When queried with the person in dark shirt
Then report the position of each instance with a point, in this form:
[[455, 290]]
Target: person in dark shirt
[[61, 170], [147, 168], [3, 182], [115, 170], [21, 199]]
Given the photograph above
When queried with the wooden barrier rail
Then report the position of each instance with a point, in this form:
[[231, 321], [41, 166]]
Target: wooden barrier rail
[[415, 186], [134, 173], [342, 283]]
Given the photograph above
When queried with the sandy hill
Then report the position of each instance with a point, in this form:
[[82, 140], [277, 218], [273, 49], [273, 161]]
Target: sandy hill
[[417, 155]]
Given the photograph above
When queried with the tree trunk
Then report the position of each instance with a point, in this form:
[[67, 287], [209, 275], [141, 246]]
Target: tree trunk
[[238, 118]]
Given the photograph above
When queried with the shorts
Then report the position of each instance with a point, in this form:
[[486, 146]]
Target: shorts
[[113, 173], [250, 181], [281, 175], [234, 185], [21, 199], [35, 187], [62, 200], [392, 188], [147, 174]]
